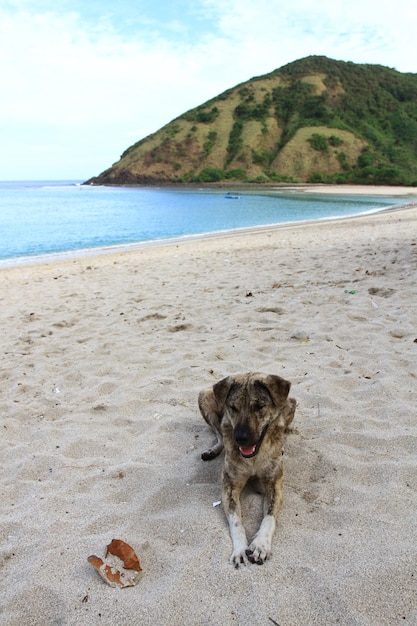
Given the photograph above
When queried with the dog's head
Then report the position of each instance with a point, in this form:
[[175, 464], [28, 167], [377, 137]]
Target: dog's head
[[251, 402]]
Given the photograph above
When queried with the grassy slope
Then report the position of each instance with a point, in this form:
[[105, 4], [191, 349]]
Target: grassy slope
[[313, 120]]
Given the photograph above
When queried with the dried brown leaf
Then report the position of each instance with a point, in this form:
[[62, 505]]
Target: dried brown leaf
[[115, 575], [125, 553]]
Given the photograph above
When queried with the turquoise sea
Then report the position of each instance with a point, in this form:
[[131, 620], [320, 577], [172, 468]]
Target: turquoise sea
[[50, 217]]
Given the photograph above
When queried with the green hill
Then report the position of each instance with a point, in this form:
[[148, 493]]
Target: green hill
[[314, 120]]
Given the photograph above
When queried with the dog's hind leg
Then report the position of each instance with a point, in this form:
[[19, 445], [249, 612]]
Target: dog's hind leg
[[209, 410], [289, 412], [215, 450]]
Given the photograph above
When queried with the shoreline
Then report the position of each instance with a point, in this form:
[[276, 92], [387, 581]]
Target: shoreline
[[316, 188], [102, 359], [348, 189]]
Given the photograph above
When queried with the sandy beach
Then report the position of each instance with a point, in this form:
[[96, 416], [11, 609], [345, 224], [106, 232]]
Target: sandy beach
[[372, 190], [102, 361]]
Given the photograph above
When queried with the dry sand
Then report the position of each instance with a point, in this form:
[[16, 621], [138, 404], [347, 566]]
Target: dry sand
[[373, 190], [102, 361]]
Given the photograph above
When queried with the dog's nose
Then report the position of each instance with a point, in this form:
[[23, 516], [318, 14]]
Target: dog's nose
[[242, 436]]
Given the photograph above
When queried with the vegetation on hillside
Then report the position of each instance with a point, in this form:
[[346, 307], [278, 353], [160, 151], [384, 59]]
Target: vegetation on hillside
[[314, 120]]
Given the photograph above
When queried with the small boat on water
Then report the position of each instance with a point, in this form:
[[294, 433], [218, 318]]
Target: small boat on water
[[232, 196]]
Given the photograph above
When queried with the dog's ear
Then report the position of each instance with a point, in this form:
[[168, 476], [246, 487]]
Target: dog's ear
[[221, 389], [278, 387]]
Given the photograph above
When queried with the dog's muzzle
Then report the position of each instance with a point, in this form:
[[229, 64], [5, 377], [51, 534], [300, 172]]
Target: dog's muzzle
[[242, 439]]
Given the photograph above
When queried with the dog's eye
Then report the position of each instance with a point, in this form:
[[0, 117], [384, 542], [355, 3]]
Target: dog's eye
[[258, 406], [233, 408]]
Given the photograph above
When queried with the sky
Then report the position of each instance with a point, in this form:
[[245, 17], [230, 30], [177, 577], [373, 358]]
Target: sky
[[82, 80]]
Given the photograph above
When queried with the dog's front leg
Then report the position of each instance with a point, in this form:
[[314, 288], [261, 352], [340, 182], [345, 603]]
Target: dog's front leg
[[261, 545], [231, 506], [213, 416]]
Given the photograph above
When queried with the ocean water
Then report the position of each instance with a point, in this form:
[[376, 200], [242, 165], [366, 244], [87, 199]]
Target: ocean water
[[50, 217]]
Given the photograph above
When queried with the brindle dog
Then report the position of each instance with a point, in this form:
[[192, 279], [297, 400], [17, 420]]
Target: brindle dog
[[249, 414]]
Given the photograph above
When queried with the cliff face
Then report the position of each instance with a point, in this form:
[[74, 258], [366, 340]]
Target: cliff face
[[314, 120]]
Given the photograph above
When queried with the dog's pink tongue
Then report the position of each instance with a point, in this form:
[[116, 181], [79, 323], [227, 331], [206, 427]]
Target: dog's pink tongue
[[247, 451]]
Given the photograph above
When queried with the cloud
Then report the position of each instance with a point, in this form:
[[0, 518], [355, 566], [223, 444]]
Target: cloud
[[374, 31], [73, 90], [58, 69], [78, 78], [55, 70]]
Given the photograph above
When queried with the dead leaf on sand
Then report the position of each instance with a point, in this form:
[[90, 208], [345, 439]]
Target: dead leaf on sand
[[123, 570]]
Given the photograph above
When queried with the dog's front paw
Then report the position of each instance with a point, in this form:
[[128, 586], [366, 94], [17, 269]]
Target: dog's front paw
[[258, 552], [239, 557]]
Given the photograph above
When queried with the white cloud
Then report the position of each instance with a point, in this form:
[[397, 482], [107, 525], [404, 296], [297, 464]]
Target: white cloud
[[73, 88], [375, 31], [53, 71]]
